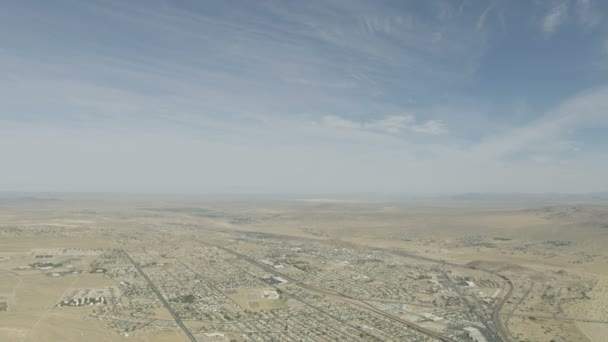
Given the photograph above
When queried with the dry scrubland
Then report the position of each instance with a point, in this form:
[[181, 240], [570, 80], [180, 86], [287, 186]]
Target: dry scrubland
[[554, 255]]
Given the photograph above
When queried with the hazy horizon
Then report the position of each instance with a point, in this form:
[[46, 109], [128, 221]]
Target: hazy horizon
[[546, 198]]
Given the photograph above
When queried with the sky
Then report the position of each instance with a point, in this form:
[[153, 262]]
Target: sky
[[334, 96]]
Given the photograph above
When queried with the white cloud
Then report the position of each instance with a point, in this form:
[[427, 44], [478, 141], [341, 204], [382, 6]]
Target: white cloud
[[195, 113], [391, 124], [556, 17], [604, 48], [326, 160], [584, 12], [482, 18], [437, 37], [588, 16], [550, 133], [434, 127], [338, 122]]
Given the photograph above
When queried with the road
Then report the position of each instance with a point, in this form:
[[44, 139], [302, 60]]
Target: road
[[490, 333], [348, 298], [561, 319], [502, 333], [502, 325], [162, 299]]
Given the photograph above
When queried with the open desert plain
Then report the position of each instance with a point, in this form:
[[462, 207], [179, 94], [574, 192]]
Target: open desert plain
[[135, 268]]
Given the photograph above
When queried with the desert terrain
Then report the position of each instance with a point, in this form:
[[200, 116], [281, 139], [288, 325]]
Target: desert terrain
[[161, 268]]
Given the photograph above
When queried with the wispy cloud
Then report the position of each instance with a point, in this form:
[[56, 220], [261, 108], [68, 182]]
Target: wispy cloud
[[552, 133], [482, 17], [556, 17], [391, 124], [322, 92], [589, 16], [584, 14], [434, 127], [338, 122]]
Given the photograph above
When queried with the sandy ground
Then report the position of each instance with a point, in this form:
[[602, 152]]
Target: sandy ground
[[517, 236]]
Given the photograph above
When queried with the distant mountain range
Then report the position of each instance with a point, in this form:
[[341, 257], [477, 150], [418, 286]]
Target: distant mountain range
[[473, 197], [527, 197]]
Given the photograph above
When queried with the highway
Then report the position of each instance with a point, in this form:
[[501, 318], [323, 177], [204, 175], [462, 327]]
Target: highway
[[321, 311], [502, 325], [501, 332], [345, 297], [490, 333], [162, 299]]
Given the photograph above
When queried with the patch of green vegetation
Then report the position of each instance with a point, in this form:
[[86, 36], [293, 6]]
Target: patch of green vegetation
[[45, 265], [204, 212], [502, 239], [548, 297], [3, 306], [189, 298]]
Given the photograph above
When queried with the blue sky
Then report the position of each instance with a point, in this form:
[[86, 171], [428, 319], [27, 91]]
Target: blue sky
[[338, 96]]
